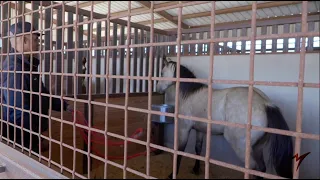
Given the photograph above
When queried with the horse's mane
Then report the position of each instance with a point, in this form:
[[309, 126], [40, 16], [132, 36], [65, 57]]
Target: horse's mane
[[187, 88]]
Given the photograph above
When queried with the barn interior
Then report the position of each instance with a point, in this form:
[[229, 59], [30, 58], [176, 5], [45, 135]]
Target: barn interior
[[88, 52]]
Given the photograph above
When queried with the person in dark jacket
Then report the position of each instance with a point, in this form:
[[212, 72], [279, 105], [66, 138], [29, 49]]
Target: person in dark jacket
[[31, 82]]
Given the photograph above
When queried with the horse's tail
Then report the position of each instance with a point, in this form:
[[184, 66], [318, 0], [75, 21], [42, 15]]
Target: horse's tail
[[281, 148]]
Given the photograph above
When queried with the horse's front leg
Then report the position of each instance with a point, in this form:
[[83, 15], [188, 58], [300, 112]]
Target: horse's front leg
[[183, 135]]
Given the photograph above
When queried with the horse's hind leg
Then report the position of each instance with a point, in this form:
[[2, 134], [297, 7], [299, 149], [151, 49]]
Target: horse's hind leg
[[198, 147], [183, 136]]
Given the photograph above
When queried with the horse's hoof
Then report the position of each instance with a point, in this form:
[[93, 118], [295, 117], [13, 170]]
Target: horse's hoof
[[170, 176], [196, 171]]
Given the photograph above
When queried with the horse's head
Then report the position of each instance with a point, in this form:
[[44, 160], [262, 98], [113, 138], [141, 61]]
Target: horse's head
[[167, 71]]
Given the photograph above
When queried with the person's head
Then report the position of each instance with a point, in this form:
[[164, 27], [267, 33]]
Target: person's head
[[24, 43]]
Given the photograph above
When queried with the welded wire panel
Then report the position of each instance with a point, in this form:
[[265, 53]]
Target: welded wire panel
[[89, 59]]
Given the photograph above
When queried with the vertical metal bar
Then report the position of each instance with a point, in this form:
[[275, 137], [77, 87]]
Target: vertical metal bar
[[234, 43], [310, 38], [243, 43], [47, 46], [286, 40], [274, 40], [208, 142], [141, 59], [176, 113], [263, 41], [114, 58], [107, 31], [165, 39], [148, 40], [135, 60], [225, 44], [157, 62], [21, 7], [5, 29], [62, 85], [80, 53], [70, 55], [200, 46], [300, 86], [149, 62], [122, 54], [192, 46], [172, 47], [298, 39], [185, 47], [127, 94], [76, 88], [98, 58], [217, 46], [90, 93], [59, 54], [250, 94], [208, 44]]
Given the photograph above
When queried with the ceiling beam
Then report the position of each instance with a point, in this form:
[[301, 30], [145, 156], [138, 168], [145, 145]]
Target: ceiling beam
[[100, 16], [86, 4], [229, 10], [280, 20], [239, 9], [164, 14]]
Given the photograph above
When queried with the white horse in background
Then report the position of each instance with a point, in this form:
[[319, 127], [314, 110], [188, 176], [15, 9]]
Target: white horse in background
[[269, 152]]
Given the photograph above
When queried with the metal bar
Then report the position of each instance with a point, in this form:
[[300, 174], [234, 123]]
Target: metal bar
[[298, 41], [263, 41], [200, 46], [141, 60], [225, 44], [47, 41], [192, 46], [310, 38], [98, 58], [250, 94], [135, 60], [286, 29], [70, 55], [127, 95], [80, 54], [274, 40], [107, 89], [114, 58], [234, 43], [208, 142], [208, 44], [300, 86], [147, 69], [243, 42], [122, 55], [21, 7], [59, 53]]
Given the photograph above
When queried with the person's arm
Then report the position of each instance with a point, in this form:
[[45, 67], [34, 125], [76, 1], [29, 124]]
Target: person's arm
[[56, 102], [17, 100]]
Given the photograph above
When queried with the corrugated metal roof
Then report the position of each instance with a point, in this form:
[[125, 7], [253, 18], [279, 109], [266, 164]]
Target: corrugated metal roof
[[122, 6]]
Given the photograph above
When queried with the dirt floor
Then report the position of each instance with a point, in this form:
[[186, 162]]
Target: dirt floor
[[161, 167]]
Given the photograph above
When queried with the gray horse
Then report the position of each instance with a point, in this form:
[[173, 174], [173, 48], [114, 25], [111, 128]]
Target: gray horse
[[269, 152]]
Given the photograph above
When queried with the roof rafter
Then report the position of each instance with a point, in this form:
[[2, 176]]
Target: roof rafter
[[164, 14]]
